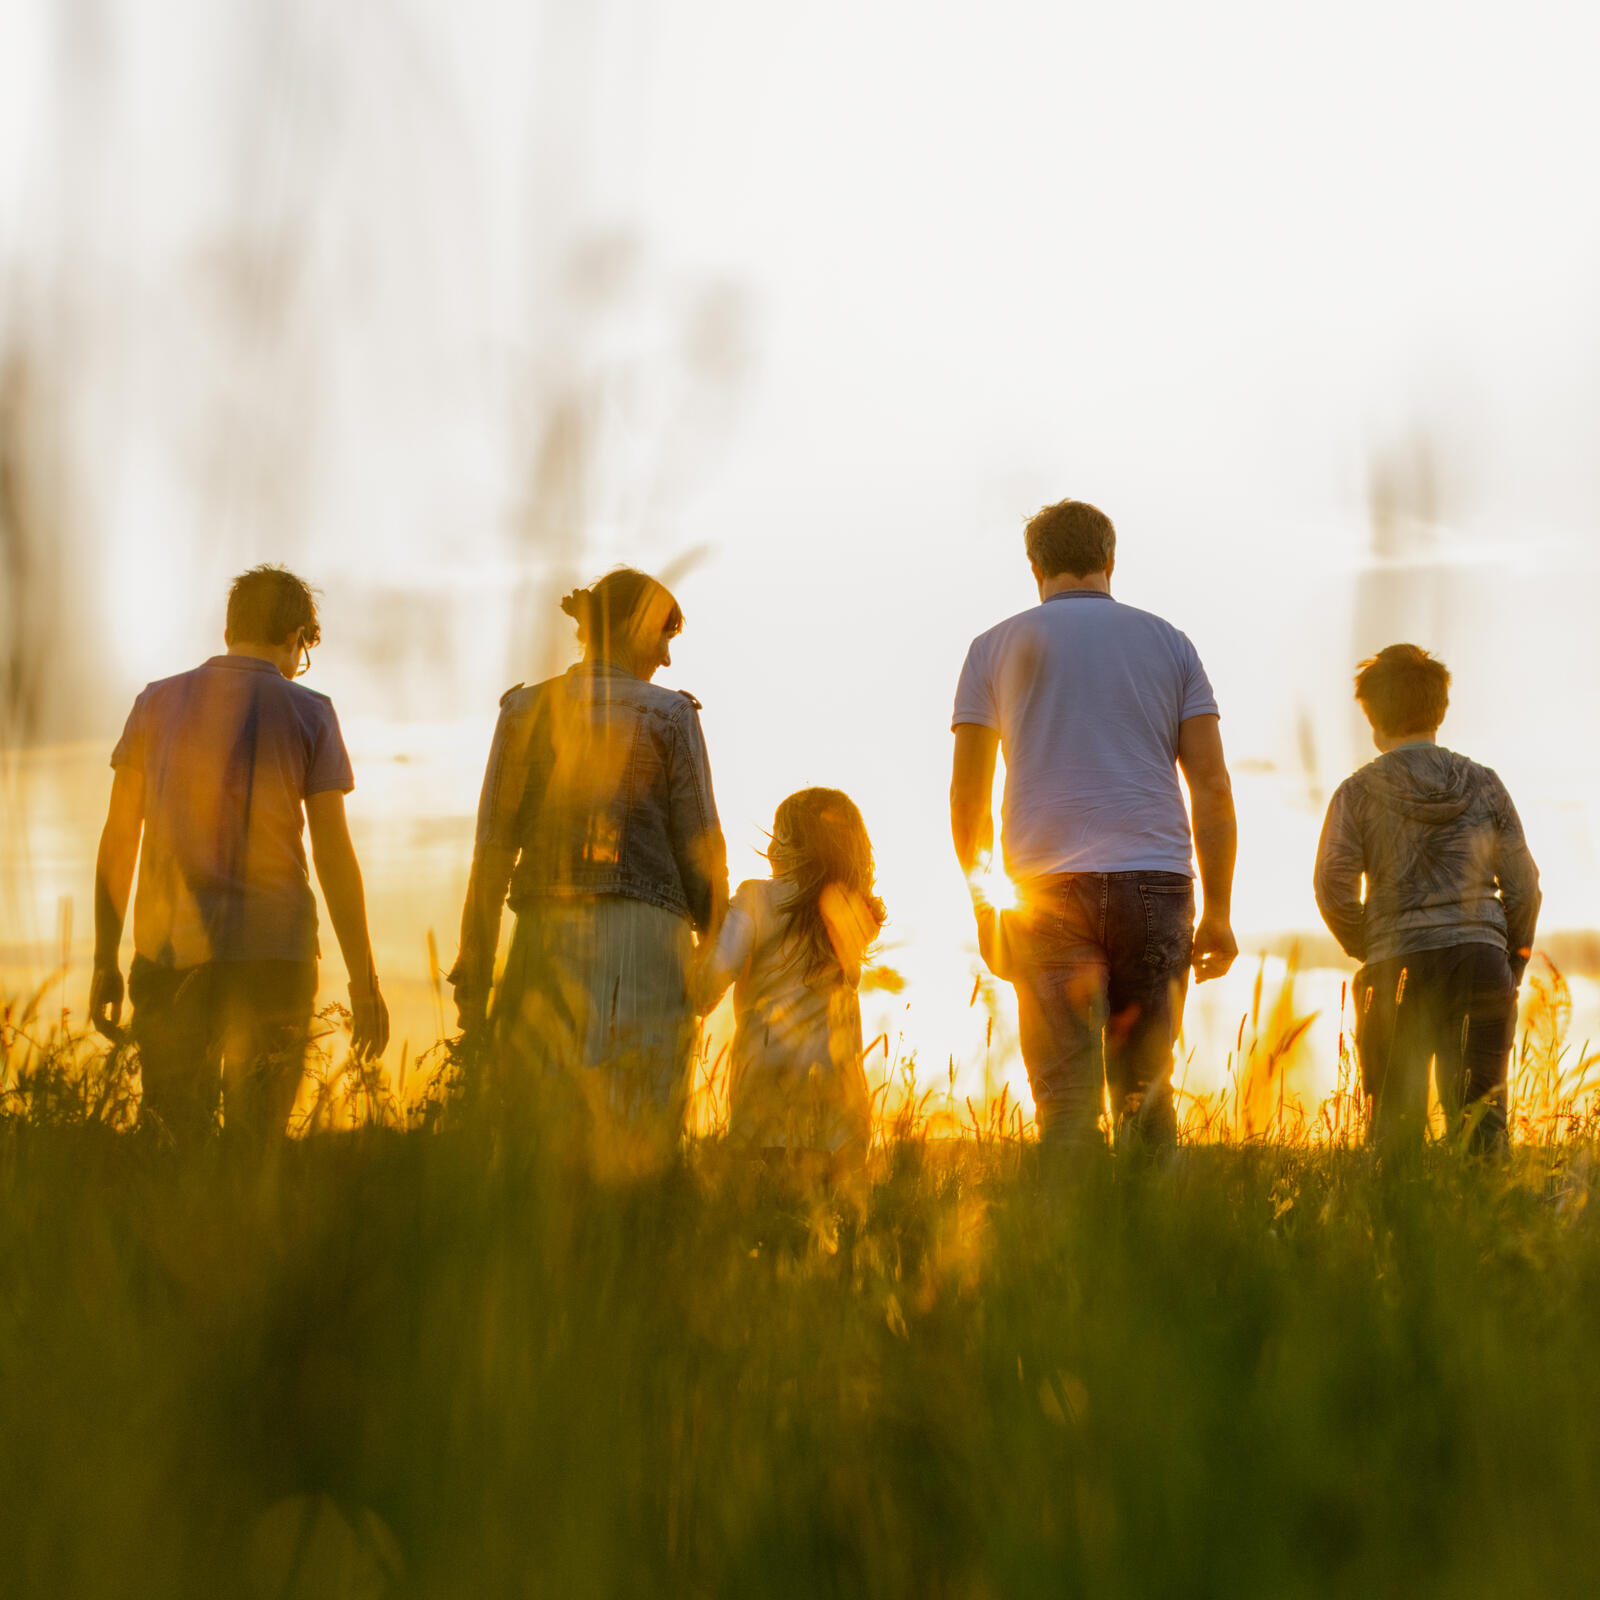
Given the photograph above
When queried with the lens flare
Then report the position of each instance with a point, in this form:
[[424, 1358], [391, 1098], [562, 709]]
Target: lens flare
[[991, 889]]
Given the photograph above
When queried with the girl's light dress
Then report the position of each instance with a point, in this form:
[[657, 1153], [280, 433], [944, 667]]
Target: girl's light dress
[[796, 1075]]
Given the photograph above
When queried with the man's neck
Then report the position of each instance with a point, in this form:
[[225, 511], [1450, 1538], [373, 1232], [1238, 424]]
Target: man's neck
[[1067, 582]]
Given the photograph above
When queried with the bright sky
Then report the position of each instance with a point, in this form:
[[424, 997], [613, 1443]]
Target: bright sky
[[837, 296]]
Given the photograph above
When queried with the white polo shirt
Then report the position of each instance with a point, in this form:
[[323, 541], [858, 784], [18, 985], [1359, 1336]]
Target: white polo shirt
[[1087, 696]]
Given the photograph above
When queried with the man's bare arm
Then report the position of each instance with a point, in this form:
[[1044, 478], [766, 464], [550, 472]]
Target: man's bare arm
[[339, 873], [972, 828], [972, 794], [113, 882], [1216, 842]]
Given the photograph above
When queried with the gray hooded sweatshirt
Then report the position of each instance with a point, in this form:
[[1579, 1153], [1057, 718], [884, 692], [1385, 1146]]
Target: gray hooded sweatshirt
[[1439, 843]]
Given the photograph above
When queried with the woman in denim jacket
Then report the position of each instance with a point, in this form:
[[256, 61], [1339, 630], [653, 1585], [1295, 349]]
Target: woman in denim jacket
[[598, 826]]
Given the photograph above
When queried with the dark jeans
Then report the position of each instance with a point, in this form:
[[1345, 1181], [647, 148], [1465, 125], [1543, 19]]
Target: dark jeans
[[1100, 962], [235, 1027], [1456, 1007]]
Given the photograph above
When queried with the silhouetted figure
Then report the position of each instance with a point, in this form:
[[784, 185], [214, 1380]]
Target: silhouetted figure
[[1446, 926], [597, 816], [220, 769], [792, 946], [1095, 705]]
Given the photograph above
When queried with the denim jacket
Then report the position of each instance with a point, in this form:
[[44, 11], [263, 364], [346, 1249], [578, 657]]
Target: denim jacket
[[1441, 847], [597, 784]]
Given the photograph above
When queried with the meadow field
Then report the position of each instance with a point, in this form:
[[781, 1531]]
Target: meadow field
[[429, 1354]]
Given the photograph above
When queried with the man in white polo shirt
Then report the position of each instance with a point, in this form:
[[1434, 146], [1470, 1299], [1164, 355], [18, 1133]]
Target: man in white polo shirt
[[1096, 706]]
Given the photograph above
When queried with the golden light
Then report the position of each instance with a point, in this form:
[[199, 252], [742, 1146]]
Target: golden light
[[991, 889]]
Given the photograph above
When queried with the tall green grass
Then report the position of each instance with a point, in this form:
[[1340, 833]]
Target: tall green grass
[[453, 1362]]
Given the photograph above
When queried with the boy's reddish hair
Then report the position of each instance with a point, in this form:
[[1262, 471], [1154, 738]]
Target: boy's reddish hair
[[1403, 690]]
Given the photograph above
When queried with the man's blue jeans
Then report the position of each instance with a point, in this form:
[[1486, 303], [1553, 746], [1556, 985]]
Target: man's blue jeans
[[1100, 963]]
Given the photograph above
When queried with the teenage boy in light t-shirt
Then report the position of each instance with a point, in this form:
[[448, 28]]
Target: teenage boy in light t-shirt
[[1096, 706], [220, 769], [1446, 926]]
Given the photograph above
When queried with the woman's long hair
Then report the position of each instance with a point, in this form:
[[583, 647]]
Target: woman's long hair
[[621, 609], [819, 842]]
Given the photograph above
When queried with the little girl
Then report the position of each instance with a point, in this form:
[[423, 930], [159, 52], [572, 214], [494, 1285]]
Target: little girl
[[792, 947]]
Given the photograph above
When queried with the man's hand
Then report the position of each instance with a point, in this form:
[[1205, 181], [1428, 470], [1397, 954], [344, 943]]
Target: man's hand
[[105, 1001], [369, 1021], [993, 945], [1214, 947]]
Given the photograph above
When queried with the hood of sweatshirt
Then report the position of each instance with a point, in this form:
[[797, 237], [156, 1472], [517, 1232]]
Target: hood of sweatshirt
[[1425, 782]]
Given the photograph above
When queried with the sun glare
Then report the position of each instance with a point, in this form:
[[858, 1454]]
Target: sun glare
[[992, 889]]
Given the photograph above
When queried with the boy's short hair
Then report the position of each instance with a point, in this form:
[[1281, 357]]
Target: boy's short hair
[[1071, 536], [1403, 690], [269, 605]]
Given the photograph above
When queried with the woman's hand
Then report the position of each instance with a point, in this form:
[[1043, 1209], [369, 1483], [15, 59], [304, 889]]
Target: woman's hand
[[472, 1008]]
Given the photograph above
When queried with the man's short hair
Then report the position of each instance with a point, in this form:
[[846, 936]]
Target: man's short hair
[[1071, 536], [269, 605], [1403, 690]]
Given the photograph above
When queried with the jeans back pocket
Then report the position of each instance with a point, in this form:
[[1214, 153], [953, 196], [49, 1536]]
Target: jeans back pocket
[[1168, 924]]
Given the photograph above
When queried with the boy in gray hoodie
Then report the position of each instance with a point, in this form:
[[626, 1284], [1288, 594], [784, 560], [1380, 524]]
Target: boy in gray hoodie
[[1446, 925]]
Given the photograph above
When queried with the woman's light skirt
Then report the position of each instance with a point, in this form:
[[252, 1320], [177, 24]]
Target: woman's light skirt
[[596, 995]]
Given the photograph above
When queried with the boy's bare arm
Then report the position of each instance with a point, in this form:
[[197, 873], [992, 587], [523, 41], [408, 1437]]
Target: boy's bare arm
[[1216, 842], [339, 873], [113, 882]]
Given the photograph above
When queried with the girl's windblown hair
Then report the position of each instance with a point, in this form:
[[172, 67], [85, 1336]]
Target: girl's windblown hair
[[820, 844]]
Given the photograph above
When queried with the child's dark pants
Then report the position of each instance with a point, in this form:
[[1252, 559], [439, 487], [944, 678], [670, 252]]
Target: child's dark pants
[[1456, 1007], [238, 1027]]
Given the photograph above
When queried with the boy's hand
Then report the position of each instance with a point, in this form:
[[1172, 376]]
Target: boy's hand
[[1214, 947], [105, 1001], [369, 1021]]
